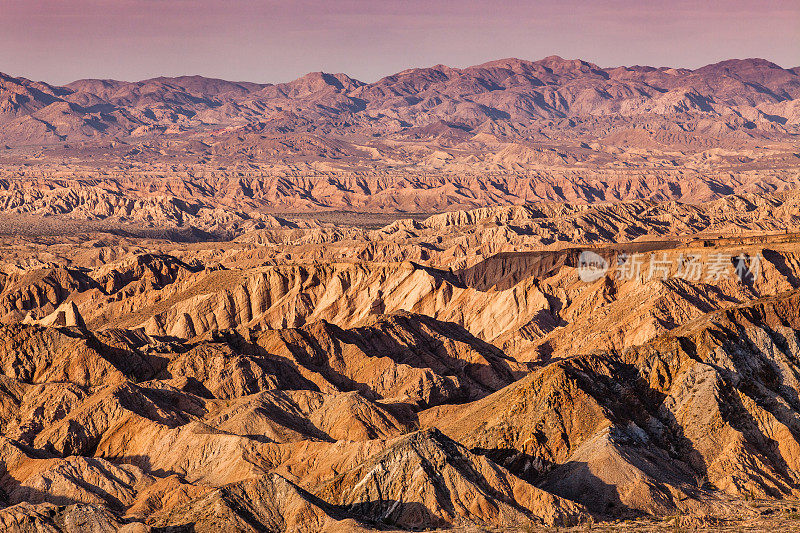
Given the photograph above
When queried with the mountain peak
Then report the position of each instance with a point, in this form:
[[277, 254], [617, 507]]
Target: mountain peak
[[316, 82]]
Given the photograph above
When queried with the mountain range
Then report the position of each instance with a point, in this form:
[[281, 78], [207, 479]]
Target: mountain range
[[552, 97]]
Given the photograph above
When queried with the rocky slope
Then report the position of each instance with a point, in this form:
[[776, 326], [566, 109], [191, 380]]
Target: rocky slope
[[84, 421], [708, 408]]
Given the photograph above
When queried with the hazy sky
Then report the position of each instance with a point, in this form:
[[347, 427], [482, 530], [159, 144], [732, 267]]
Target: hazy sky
[[272, 41]]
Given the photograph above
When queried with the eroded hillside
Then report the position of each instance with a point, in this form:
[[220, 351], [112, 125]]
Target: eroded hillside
[[463, 370]]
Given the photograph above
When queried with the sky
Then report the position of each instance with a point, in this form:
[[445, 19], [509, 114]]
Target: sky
[[59, 41]]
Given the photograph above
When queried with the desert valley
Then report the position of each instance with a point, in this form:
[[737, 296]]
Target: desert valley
[[520, 296]]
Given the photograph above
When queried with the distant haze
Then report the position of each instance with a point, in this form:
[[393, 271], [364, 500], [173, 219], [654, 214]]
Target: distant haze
[[272, 41]]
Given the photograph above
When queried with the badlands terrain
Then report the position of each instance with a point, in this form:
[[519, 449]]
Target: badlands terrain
[[327, 305], [455, 371], [169, 151]]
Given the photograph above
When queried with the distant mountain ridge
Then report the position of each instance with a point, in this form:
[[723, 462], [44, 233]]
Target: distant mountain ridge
[[510, 97]]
